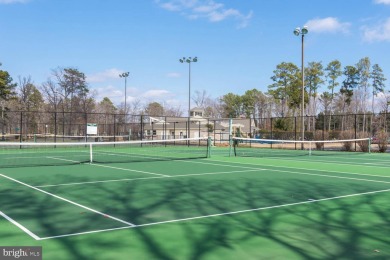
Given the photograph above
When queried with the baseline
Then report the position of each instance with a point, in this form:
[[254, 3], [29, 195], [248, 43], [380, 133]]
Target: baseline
[[20, 226], [69, 201]]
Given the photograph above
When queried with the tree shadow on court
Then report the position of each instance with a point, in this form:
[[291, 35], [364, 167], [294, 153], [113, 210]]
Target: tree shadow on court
[[349, 228], [321, 230], [335, 230]]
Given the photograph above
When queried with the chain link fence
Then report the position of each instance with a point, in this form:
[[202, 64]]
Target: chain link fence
[[22, 126]]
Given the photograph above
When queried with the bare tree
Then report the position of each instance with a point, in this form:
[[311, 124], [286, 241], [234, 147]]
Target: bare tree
[[30, 98], [384, 102], [52, 94], [135, 106], [172, 111], [201, 98], [214, 108]]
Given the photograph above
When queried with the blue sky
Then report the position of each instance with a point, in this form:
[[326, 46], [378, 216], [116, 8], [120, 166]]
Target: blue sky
[[238, 43]]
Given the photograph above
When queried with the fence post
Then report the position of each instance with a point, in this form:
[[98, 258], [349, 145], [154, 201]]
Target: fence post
[[271, 130], [250, 127], [152, 131], [55, 126], [63, 126], [165, 128], [199, 132], [85, 127], [208, 127], [189, 127], [188, 131], [174, 132], [295, 130], [114, 127], [214, 131], [21, 127], [142, 127], [355, 130]]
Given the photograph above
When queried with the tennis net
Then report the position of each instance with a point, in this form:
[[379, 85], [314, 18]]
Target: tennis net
[[50, 138], [42, 138], [42, 154], [250, 147]]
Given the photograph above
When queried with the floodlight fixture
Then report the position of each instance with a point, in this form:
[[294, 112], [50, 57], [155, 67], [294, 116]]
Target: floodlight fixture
[[304, 30], [124, 75]]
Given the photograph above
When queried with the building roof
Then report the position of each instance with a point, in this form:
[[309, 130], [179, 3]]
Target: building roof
[[197, 109]]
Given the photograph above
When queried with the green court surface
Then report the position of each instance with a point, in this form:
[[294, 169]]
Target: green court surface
[[269, 207]]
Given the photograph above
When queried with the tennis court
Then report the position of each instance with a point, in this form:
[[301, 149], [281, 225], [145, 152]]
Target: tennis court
[[187, 205]]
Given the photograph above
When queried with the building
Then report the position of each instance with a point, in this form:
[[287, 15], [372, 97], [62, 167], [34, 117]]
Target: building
[[160, 128]]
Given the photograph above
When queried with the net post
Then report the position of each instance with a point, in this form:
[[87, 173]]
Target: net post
[[90, 153], [369, 145], [209, 147], [310, 143]]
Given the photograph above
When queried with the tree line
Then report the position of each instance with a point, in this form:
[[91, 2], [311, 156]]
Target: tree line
[[347, 90], [329, 90]]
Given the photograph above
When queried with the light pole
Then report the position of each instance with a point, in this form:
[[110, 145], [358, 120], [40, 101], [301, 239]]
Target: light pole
[[189, 60], [125, 75], [298, 31]]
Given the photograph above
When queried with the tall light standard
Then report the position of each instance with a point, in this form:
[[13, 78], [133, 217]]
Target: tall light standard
[[189, 60], [125, 75], [298, 31]]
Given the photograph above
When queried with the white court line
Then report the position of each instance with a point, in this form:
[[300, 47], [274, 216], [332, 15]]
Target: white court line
[[86, 232], [378, 164], [60, 159], [130, 170], [282, 166], [69, 201], [23, 228], [241, 167], [145, 178], [308, 169], [351, 157], [325, 162], [222, 214], [219, 164], [314, 174], [330, 176]]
